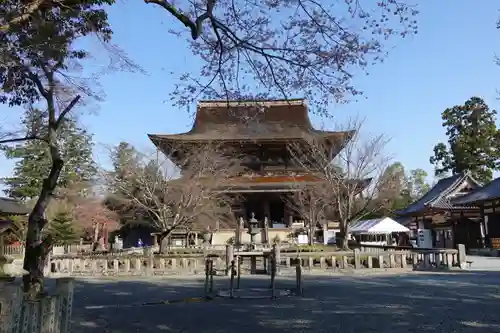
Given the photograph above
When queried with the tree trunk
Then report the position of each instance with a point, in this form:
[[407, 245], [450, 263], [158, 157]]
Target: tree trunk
[[343, 239], [345, 242], [161, 239], [311, 234], [37, 247]]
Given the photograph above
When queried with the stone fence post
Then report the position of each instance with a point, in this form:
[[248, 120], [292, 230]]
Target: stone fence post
[[229, 257], [462, 256]]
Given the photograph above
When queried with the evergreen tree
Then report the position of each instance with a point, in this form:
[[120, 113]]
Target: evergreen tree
[[34, 160], [416, 185], [62, 229], [473, 141], [125, 159]]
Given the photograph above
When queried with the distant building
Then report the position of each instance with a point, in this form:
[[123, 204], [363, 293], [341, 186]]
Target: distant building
[[487, 199], [451, 224], [10, 206]]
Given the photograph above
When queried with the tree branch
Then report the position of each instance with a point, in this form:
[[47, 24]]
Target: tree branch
[[67, 109], [26, 138], [25, 16], [195, 26]]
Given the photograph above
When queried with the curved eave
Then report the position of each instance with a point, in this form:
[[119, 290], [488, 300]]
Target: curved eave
[[481, 195], [167, 142], [10, 206]]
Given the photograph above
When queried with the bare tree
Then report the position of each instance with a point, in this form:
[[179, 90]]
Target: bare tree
[[306, 47], [167, 202], [286, 47], [41, 67], [308, 202], [352, 179]]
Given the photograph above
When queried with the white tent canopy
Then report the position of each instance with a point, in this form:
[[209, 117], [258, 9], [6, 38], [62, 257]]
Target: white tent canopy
[[384, 225]]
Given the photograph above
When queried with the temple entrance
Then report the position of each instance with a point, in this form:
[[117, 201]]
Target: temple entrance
[[254, 205], [277, 211], [264, 205]]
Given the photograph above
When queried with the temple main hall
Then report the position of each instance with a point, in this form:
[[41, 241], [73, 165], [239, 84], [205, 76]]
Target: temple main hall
[[260, 132]]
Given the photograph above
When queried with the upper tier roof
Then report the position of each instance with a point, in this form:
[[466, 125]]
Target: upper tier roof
[[251, 121]]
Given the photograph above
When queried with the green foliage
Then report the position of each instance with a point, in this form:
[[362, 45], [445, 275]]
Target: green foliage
[[62, 229], [34, 161], [416, 185], [125, 160], [404, 189], [473, 141]]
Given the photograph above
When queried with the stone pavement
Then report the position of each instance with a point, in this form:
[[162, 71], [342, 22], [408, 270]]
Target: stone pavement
[[392, 303], [484, 263]]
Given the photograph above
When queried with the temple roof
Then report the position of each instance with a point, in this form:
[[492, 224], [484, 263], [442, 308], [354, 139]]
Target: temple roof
[[10, 206], [251, 121], [488, 192], [440, 196]]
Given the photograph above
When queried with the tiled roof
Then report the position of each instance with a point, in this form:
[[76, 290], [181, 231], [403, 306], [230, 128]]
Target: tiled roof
[[438, 196], [488, 192], [12, 207], [251, 120]]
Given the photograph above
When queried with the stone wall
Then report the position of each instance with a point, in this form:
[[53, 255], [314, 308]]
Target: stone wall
[[155, 264]]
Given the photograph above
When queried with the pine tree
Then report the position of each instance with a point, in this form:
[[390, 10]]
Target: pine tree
[[473, 141], [124, 158], [34, 160], [62, 229]]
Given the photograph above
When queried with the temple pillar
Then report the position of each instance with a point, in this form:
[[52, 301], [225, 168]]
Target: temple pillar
[[239, 229], [265, 239]]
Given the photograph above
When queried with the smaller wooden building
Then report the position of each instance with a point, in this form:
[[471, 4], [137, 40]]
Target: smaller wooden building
[[11, 207], [487, 199], [451, 224]]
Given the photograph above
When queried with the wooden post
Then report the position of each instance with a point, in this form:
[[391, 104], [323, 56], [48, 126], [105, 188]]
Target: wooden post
[[211, 268], [298, 279], [266, 231], [273, 273], [207, 276], [240, 262], [231, 285]]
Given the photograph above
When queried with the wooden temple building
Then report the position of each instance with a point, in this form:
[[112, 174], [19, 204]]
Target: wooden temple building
[[487, 199], [259, 132], [437, 210]]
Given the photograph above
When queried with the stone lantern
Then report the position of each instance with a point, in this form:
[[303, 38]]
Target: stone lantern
[[206, 236], [8, 271], [253, 228]]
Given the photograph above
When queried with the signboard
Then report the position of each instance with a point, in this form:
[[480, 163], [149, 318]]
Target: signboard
[[302, 239], [424, 238], [329, 237]]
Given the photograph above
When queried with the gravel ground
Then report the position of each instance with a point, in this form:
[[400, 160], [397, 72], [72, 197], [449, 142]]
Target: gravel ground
[[406, 302]]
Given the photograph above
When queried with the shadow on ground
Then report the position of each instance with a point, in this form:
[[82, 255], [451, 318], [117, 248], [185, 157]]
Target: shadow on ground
[[413, 302]]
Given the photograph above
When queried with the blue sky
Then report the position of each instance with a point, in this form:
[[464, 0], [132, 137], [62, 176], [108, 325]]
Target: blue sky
[[450, 60]]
